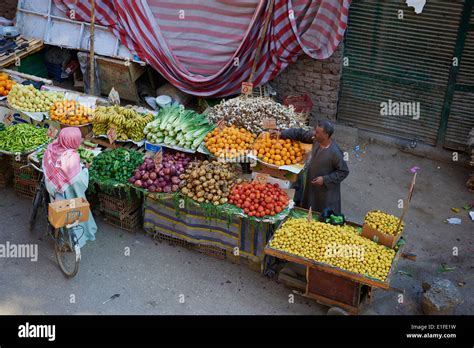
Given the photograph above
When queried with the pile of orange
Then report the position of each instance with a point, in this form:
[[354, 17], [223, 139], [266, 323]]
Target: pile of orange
[[278, 152], [229, 142], [5, 84], [70, 112]]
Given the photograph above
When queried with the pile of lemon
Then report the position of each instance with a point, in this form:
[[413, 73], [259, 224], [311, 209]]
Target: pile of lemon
[[383, 222], [339, 246]]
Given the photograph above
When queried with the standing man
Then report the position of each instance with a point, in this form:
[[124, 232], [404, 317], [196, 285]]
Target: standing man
[[326, 170]]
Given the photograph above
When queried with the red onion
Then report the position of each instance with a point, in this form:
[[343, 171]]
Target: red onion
[[149, 182], [131, 180], [175, 180], [145, 176], [159, 189], [152, 175], [167, 189], [174, 188], [152, 188], [138, 183]]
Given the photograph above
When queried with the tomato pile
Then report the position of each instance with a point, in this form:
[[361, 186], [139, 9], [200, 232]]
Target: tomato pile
[[259, 200]]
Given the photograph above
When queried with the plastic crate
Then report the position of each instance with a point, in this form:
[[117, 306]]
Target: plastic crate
[[6, 179], [122, 206], [302, 104], [25, 190], [130, 222], [211, 250], [171, 240], [26, 175], [6, 172]]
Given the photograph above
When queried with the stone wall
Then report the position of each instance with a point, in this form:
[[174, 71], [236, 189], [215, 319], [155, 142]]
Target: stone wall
[[320, 79], [8, 8]]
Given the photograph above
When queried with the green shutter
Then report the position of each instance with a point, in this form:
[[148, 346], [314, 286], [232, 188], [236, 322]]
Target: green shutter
[[405, 60], [461, 116]]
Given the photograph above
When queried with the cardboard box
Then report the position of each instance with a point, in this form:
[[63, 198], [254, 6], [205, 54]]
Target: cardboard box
[[380, 237], [65, 212], [275, 172], [284, 184]]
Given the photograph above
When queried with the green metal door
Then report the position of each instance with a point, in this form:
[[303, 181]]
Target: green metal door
[[459, 108], [398, 57]]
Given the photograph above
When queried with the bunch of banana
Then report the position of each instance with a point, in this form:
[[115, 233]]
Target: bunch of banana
[[128, 123]]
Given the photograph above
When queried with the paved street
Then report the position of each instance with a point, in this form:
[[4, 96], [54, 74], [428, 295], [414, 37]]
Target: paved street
[[152, 278]]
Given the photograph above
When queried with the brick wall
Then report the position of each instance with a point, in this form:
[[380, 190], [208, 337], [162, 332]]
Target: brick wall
[[8, 8], [318, 78]]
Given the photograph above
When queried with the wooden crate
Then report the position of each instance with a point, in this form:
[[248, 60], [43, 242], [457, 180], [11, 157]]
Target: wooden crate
[[34, 45], [118, 74]]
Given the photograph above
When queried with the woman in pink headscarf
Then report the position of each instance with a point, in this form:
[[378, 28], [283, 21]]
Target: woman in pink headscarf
[[65, 177]]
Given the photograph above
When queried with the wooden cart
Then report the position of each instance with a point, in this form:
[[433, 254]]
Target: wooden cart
[[342, 290]]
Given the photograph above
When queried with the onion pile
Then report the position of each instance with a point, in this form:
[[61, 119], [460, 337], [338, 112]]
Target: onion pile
[[165, 177]]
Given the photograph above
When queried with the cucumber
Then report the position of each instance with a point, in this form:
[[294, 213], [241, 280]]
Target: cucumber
[[88, 143]]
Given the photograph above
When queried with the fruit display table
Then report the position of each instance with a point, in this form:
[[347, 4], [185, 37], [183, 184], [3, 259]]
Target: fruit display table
[[336, 287]]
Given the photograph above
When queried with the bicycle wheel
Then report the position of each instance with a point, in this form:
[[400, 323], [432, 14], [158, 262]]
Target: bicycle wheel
[[67, 251], [37, 200]]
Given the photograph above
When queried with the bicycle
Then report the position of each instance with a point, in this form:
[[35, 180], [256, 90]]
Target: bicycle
[[66, 243]]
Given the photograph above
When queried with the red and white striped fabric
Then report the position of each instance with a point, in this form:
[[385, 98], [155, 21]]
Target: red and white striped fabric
[[207, 48]]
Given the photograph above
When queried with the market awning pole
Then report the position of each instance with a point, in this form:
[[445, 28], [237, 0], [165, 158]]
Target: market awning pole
[[91, 50]]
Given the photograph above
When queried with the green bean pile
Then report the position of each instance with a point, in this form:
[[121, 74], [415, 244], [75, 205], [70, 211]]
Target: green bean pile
[[22, 137]]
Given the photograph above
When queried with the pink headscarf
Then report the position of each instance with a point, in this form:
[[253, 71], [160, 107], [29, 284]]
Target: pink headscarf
[[61, 162]]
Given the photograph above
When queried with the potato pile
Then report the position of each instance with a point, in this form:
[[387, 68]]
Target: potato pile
[[278, 152], [231, 142], [208, 181], [128, 123], [71, 113], [339, 246], [383, 222]]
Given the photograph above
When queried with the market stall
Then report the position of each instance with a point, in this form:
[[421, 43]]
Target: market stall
[[218, 183]]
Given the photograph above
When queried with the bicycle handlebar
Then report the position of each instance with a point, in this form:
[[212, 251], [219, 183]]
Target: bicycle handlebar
[[30, 163]]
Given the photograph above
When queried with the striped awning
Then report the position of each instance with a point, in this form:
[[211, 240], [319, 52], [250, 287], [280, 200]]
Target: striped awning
[[207, 48]]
